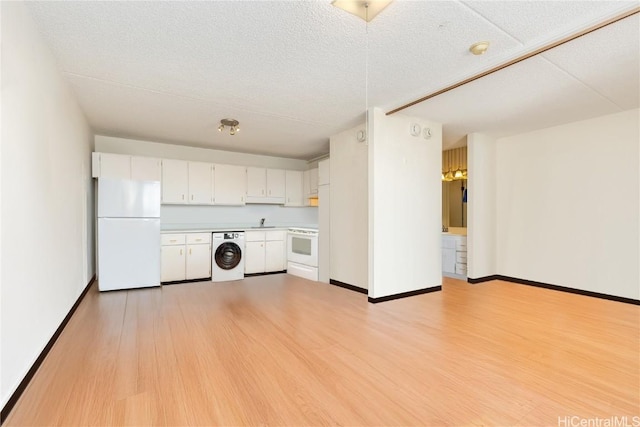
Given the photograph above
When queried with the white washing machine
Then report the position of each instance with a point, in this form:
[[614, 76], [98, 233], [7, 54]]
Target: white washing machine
[[227, 256]]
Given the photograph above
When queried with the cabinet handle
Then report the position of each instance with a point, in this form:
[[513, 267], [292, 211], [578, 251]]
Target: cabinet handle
[[192, 197], [269, 192], [173, 240], [183, 197], [262, 191], [189, 251], [241, 199], [180, 251], [198, 240]]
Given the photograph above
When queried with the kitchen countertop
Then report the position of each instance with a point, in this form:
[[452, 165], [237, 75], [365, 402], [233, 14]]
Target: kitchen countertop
[[214, 228]]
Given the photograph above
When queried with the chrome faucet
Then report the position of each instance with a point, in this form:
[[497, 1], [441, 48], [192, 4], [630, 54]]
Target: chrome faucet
[[262, 222]]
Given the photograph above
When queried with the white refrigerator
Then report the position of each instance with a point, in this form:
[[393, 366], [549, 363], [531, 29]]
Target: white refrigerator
[[128, 234]]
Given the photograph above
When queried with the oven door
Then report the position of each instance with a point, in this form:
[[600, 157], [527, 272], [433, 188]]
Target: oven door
[[302, 248]]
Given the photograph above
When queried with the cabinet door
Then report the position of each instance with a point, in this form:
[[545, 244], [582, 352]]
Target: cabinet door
[[173, 263], [313, 181], [276, 183], [115, 166], [306, 188], [198, 261], [175, 181], [145, 168], [323, 172], [293, 187], [200, 191], [256, 182], [448, 260], [274, 255], [231, 184], [254, 257]]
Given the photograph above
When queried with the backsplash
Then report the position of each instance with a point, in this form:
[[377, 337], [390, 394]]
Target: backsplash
[[223, 216]]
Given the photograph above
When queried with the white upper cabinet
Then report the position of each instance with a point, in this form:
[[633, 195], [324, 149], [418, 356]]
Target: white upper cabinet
[[276, 184], [175, 181], [200, 183], [256, 183], [107, 165], [293, 185], [230, 184], [265, 185], [146, 168], [313, 181], [323, 172]]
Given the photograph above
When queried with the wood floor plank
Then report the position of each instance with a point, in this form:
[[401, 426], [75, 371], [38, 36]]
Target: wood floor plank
[[280, 350]]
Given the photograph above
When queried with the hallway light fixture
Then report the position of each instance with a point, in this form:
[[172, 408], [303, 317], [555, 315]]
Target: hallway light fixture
[[233, 124], [457, 155]]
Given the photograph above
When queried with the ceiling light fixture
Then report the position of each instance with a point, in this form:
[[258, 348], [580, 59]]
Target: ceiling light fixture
[[365, 9], [479, 48], [234, 126]]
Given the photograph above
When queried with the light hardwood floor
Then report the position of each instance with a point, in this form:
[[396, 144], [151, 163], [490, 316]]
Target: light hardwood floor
[[279, 350]]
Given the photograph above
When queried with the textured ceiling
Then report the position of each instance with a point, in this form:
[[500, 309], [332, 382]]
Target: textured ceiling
[[294, 72]]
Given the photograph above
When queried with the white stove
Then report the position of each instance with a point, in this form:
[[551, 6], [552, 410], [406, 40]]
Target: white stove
[[302, 253]]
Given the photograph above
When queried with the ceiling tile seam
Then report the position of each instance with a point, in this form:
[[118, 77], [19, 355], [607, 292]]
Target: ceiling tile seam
[[490, 22], [531, 52], [579, 81], [202, 100]]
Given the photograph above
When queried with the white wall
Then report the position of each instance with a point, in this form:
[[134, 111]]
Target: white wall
[[46, 197], [349, 209], [568, 205], [108, 144], [481, 201], [405, 205]]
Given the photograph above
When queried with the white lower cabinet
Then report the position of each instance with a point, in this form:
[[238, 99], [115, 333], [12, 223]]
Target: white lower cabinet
[[172, 261], [274, 255], [454, 255], [254, 257], [186, 256], [264, 251]]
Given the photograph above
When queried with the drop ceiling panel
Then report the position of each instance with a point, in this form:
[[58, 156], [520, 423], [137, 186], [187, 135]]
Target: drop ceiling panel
[[533, 94], [417, 46], [532, 22], [607, 61]]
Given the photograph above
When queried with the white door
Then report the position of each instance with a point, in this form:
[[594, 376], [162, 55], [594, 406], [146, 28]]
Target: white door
[[128, 253], [198, 261], [274, 255], [324, 234], [231, 184], [118, 198], [175, 181], [173, 263], [200, 190], [448, 260], [145, 169], [115, 166], [293, 188], [256, 182], [276, 183], [254, 257]]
